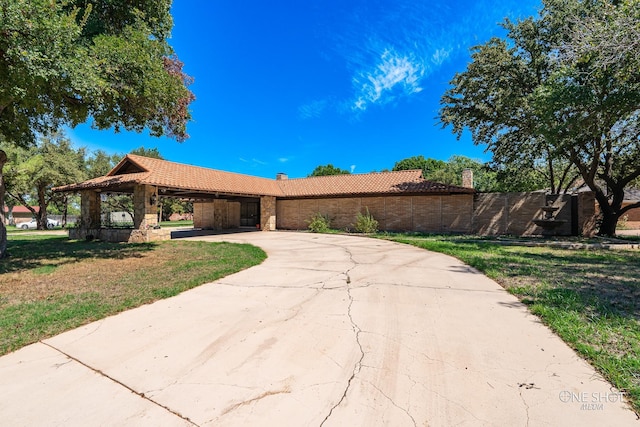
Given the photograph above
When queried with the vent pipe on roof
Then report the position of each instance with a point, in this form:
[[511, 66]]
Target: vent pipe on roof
[[467, 178], [281, 176]]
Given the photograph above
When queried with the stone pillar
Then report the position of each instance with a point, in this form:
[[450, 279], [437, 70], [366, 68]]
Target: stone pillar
[[145, 202], [267, 213], [90, 209]]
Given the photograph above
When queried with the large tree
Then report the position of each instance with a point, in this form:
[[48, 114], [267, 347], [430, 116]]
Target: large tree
[[65, 62], [32, 172], [543, 96]]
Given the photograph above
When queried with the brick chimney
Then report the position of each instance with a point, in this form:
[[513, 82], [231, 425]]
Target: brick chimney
[[281, 176], [467, 178]]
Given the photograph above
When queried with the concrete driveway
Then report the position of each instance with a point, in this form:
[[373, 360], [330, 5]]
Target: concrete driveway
[[329, 331]]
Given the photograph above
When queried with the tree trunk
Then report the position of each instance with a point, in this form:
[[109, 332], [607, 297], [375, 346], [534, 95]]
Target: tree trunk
[[609, 223], [42, 212], [65, 210], [611, 211], [3, 229]]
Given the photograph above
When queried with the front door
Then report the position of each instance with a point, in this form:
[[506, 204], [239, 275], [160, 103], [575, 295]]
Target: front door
[[249, 214]]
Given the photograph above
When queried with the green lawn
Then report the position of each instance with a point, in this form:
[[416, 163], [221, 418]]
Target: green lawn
[[176, 224], [590, 298], [50, 284]]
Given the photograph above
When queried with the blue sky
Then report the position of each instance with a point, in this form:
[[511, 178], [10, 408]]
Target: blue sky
[[285, 86]]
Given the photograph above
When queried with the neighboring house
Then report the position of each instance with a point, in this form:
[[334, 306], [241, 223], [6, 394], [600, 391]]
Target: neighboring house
[[632, 216], [399, 201], [18, 214]]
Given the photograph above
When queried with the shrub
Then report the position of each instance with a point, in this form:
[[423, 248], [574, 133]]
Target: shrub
[[366, 223], [319, 223], [622, 222]]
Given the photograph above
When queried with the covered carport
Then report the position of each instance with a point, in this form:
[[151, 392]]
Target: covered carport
[[222, 200]]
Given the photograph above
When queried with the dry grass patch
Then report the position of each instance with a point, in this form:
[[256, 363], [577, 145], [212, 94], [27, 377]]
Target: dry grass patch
[[50, 284]]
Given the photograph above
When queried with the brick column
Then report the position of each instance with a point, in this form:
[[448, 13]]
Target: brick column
[[90, 209], [145, 213], [467, 178], [267, 213]]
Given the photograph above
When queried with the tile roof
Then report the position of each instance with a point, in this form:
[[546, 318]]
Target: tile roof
[[167, 174], [400, 182], [134, 169], [21, 209]]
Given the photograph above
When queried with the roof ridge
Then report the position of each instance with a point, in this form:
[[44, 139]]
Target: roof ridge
[[354, 174], [200, 167]]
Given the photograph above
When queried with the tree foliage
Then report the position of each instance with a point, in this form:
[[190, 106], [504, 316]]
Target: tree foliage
[[31, 173], [99, 163], [147, 152], [486, 177], [427, 166], [63, 62], [328, 169], [545, 100]]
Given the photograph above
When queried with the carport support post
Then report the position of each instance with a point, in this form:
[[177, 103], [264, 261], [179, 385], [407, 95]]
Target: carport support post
[[90, 209], [267, 213], [145, 202]]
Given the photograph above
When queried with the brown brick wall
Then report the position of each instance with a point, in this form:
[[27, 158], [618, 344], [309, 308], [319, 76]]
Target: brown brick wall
[[376, 207], [587, 214], [203, 215], [427, 213], [398, 213], [220, 215], [490, 213], [457, 213], [522, 209], [563, 202], [484, 214], [233, 214], [395, 213], [513, 213], [632, 214]]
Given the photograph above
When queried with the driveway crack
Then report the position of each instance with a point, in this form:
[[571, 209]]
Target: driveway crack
[[406, 411], [101, 373], [357, 331]]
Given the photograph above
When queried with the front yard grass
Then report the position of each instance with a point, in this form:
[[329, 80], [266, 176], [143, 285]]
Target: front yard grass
[[50, 284], [590, 298]]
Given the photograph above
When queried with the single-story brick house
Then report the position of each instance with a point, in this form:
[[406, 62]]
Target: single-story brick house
[[18, 214], [399, 201]]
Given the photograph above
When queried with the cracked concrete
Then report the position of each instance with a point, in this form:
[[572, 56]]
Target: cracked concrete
[[330, 330]]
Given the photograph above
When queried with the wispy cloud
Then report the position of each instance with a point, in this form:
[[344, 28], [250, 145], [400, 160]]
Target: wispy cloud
[[391, 48], [394, 74], [253, 161], [313, 109]]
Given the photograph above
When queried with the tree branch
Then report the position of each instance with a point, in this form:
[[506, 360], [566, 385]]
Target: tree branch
[[629, 207]]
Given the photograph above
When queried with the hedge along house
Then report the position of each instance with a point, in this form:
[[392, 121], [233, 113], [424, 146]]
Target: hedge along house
[[400, 201]]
